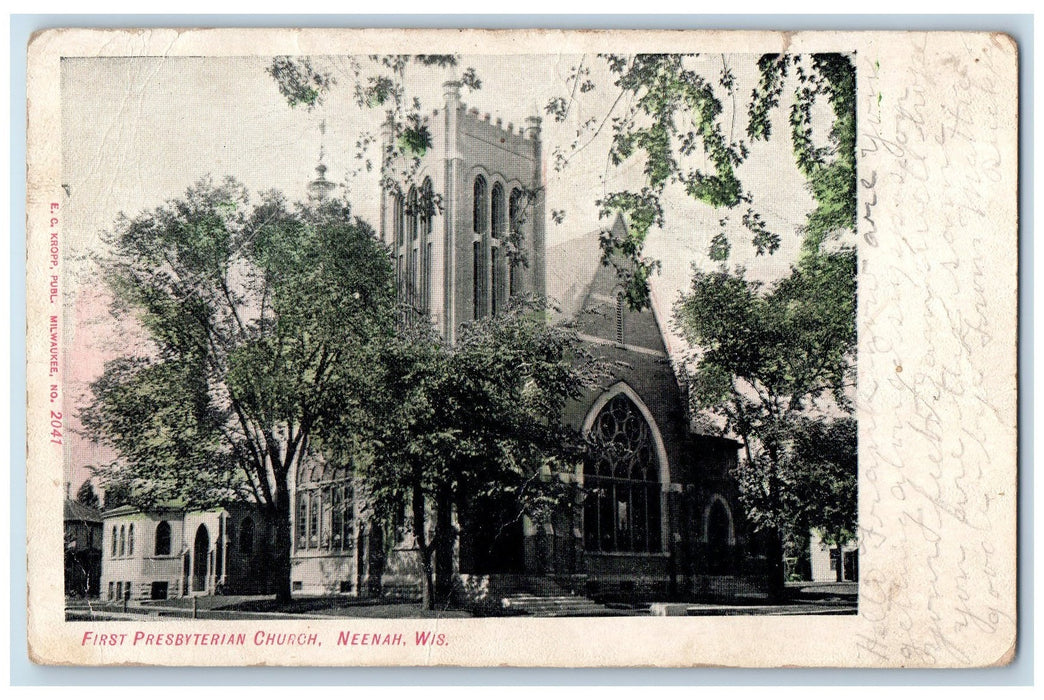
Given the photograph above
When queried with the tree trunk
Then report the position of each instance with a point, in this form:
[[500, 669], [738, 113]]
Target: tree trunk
[[802, 542], [777, 573], [777, 576], [444, 540], [428, 588], [282, 548], [840, 559]]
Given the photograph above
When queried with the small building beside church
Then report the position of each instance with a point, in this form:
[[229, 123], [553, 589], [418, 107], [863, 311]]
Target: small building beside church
[[168, 552], [83, 542]]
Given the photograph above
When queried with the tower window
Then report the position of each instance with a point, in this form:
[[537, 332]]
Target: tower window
[[426, 290], [411, 213], [480, 206], [495, 277], [397, 218], [476, 272], [497, 210], [515, 210], [427, 207]]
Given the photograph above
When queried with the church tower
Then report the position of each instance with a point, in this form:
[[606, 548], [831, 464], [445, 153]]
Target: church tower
[[465, 220]]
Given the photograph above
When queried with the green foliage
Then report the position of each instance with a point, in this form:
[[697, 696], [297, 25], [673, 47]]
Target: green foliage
[[464, 426], [299, 82], [87, 496], [824, 468], [679, 125], [261, 320], [766, 360]]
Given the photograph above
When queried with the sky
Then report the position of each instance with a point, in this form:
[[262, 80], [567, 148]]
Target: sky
[[137, 132]]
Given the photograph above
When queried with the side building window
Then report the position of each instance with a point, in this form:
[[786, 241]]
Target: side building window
[[130, 540], [123, 540], [114, 540], [622, 482], [325, 516], [163, 539]]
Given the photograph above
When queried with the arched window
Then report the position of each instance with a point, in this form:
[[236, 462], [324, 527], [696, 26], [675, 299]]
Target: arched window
[[515, 210], [427, 207], [114, 538], [397, 218], [496, 202], [123, 540], [718, 534], [130, 540], [411, 213], [622, 482], [163, 539], [246, 536], [480, 207]]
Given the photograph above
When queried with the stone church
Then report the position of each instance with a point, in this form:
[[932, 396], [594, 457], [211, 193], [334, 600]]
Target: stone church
[[660, 516]]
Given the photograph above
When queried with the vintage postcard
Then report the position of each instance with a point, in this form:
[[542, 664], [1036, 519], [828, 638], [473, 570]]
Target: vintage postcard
[[522, 348]]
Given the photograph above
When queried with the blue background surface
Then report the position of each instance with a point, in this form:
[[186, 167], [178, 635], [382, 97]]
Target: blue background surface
[[23, 672]]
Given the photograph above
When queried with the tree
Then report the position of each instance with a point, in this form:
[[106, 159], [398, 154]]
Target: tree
[[767, 362], [680, 117], [86, 495], [473, 429], [259, 320], [825, 478]]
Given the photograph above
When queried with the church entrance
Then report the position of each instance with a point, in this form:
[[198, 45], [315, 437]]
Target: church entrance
[[201, 559], [719, 553]]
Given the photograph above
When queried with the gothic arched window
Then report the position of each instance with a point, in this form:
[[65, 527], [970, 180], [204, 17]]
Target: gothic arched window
[[480, 208], [163, 539], [515, 210], [496, 208], [411, 213], [123, 540], [130, 540], [622, 482], [427, 206], [397, 218], [114, 540]]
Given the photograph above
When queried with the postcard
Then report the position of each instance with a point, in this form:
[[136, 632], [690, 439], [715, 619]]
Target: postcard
[[522, 348]]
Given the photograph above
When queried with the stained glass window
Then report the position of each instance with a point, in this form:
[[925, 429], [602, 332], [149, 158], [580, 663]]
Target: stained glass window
[[621, 482]]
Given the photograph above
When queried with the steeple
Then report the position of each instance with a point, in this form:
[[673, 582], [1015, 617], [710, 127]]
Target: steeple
[[320, 187]]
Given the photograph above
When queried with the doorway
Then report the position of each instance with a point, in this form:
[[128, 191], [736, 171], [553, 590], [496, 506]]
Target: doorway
[[201, 559]]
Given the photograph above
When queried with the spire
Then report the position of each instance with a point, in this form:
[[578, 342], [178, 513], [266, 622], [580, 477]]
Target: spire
[[320, 187]]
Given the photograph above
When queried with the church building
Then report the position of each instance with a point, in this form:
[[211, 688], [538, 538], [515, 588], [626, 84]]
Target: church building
[[659, 515]]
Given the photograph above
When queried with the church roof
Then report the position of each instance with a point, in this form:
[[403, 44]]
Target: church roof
[[74, 510], [573, 267]]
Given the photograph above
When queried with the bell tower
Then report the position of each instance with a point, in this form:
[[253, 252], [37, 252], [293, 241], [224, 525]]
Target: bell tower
[[464, 217]]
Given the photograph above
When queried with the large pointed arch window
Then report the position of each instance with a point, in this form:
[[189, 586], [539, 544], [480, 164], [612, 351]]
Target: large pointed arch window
[[622, 482]]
